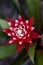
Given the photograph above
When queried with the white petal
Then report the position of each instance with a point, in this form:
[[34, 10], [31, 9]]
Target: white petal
[[22, 34], [19, 37]]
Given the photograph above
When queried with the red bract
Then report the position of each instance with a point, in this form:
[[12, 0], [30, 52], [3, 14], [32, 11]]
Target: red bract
[[21, 31]]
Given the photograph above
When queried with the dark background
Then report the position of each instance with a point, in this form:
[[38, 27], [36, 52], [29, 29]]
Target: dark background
[[7, 9]]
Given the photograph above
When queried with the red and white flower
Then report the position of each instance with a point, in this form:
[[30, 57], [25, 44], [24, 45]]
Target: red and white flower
[[20, 31]]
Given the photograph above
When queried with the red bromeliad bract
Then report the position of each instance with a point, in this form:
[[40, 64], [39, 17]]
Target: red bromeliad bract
[[20, 31]]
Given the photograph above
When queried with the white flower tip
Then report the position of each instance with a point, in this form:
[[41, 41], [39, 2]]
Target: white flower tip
[[14, 38], [27, 21], [13, 34], [4, 31], [25, 32], [20, 27], [30, 41], [20, 43], [27, 27], [19, 15], [10, 41], [16, 24], [16, 21], [24, 38], [9, 23], [11, 28], [28, 35], [32, 28], [21, 22], [9, 34]]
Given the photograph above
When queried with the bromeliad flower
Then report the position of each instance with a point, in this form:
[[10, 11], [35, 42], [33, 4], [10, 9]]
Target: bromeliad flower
[[21, 31]]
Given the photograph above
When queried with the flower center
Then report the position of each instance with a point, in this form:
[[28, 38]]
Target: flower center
[[19, 32]]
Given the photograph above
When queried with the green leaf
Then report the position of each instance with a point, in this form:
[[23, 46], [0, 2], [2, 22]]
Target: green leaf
[[30, 7], [31, 52], [34, 10], [21, 57], [3, 23], [17, 3], [3, 36], [39, 57], [6, 51]]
